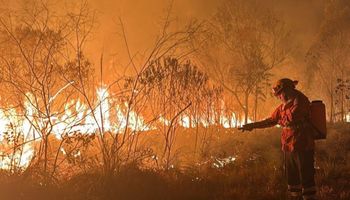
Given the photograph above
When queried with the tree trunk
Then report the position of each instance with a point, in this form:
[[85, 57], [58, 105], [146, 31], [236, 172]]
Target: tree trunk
[[256, 104], [246, 108], [342, 105], [331, 119]]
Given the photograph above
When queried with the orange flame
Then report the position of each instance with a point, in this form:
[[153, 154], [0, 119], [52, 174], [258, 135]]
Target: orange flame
[[78, 117]]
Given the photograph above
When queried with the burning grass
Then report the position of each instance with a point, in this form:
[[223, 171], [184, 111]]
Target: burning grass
[[233, 166]]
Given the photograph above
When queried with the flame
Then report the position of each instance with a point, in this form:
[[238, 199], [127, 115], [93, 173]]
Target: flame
[[222, 162], [14, 131], [102, 111], [185, 121], [165, 121], [78, 117]]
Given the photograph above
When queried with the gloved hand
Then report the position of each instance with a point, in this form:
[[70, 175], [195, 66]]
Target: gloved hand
[[247, 127]]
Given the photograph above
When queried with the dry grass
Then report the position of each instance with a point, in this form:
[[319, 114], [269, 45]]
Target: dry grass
[[257, 173]]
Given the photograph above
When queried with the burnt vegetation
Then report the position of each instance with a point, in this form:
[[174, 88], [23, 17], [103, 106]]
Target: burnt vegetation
[[164, 125]]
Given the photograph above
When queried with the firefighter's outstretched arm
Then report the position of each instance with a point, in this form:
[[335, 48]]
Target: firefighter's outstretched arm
[[269, 122]]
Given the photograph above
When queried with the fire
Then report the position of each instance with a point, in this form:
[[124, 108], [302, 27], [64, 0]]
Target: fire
[[78, 117], [17, 152], [102, 111]]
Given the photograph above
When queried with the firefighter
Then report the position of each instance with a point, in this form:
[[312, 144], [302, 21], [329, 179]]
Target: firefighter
[[297, 139]]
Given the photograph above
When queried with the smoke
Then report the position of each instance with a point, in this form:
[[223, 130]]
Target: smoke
[[142, 19]]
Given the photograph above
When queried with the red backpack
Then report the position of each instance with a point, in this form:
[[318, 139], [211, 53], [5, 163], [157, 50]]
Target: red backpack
[[318, 119]]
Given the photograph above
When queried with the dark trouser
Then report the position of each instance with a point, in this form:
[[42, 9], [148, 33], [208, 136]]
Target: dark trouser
[[301, 174]]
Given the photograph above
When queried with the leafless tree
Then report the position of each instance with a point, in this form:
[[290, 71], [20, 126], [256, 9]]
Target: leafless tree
[[242, 44], [328, 57], [35, 53]]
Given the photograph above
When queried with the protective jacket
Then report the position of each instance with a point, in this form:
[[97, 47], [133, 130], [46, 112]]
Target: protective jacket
[[293, 117]]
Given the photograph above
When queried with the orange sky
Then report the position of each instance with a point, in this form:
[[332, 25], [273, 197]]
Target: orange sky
[[142, 19]]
